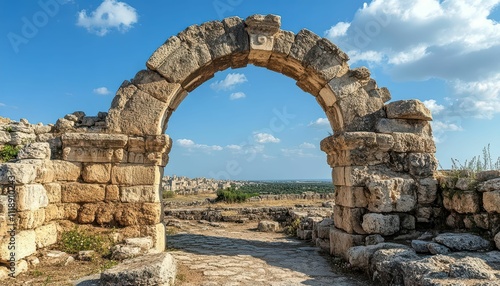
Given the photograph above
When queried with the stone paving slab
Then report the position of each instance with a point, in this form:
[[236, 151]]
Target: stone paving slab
[[239, 255]]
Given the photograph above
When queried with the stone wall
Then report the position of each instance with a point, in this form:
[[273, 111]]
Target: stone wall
[[71, 172], [471, 202]]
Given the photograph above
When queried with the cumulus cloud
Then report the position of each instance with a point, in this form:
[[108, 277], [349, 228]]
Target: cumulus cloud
[[101, 90], [237, 95], [452, 40], [111, 14], [320, 122], [191, 145], [234, 147], [307, 145], [265, 138], [296, 152], [432, 105], [231, 81]]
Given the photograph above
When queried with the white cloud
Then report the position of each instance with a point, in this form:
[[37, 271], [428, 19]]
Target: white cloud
[[320, 122], [439, 126], [190, 144], [237, 95], [451, 40], [101, 90], [111, 14], [433, 106], [307, 145], [296, 152], [231, 80], [2, 104], [265, 138], [234, 147]]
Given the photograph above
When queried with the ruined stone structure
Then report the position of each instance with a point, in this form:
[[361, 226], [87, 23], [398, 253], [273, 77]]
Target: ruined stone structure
[[106, 170]]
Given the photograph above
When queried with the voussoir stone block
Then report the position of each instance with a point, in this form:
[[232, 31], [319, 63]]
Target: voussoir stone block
[[133, 175], [155, 85], [82, 193], [381, 224], [408, 109]]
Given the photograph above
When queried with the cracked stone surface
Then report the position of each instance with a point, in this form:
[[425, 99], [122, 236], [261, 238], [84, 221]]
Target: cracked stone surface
[[237, 254]]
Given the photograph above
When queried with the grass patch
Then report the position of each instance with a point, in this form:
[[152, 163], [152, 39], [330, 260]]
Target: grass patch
[[168, 194], [77, 240], [291, 229], [477, 163]]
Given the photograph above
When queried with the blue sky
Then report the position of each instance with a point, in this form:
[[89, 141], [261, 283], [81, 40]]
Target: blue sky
[[60, 56]]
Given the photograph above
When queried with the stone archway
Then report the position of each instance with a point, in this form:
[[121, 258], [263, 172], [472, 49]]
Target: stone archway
[[381, 155]]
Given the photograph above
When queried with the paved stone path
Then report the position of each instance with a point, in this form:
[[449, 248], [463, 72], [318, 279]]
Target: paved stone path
[[232, 254]]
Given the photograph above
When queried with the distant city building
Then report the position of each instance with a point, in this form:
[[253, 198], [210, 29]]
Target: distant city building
[[186, 186]]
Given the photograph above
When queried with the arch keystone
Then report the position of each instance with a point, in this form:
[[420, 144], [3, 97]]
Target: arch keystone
[[261, 30]]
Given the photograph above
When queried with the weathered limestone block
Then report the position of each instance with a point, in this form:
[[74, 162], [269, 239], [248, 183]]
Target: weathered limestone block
[[100, 140], [182, 65], [4, 137], [497, 240], [323, 228], [25, 245], [87, 213], [326, 60], [155, 85], [392, 195], [126, 113], [31, 197], [268, 226], [385, 125], [488, 175], [136, 145], [82, 193], [491, 201], [361, 175], [379, 223], [160, 55], [235, 28], [54, 212], [412, 143], [21, 138], [360, 256], [157, 233], [383, 93], [408, 109], [261, 30], [36, 150], [360, 112], [386, 265], [427, 191], [476, 221], [96, 173], [407, 221], [138, 214], [112, 193], [158, 143], [465, 184], [94, 154], [374, 239], [46, 235], [151, 269], [341, 241], [462, 241], [348, 219], [490, 185], [66, 171], [461, 201], [30, 219], [21, 173], [128, 174], [353, 197], [136, 194]]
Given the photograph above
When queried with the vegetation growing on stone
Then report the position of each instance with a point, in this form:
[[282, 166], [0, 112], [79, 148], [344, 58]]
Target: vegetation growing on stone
[[8, 152], [77, 240], [477, 163]]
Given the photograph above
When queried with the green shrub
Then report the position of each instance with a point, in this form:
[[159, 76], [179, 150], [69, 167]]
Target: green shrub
[[8, 152], [168, 194], [291, 229], [77, 240], [231, 195]]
